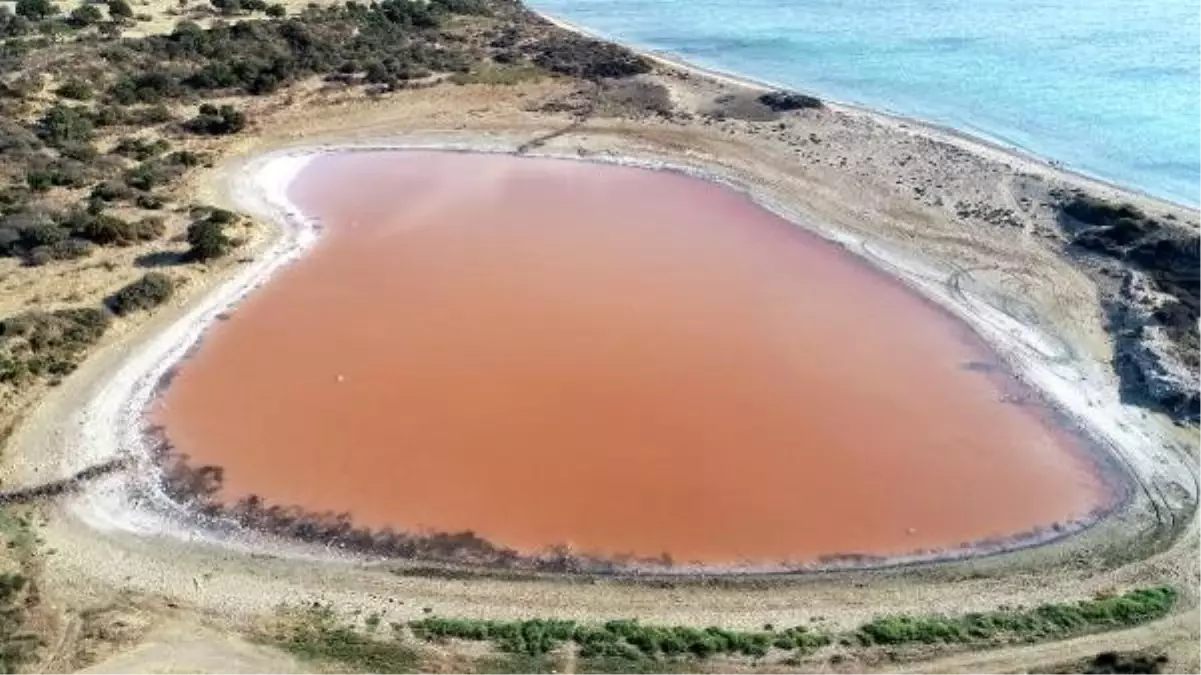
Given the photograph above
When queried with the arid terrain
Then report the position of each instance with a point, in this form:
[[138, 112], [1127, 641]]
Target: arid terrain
[[1088, 292]]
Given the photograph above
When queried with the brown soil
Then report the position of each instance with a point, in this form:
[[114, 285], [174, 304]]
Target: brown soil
[[624, 361]]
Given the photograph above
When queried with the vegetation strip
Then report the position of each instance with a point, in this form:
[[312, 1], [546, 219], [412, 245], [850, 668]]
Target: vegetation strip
[[624, 645], [1044, 622], [625, 638]]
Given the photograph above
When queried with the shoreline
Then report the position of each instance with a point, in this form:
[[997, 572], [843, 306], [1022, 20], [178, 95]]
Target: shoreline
[[146, 509], [974, 141]]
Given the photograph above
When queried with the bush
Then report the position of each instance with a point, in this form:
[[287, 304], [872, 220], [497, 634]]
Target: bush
[[68, 173], [67, 249], [109, 230], [74, 88], [71, 249], [149, 292], [216, 121], [111, 191], [47, 234], [63, 124], [108, 116], [38, 181], [85, 15], [12, 25], [208, 240], [149, 87], [151, 114], [1051, 620], [316, 635], [587, 58], [781, 101], [276, 11], [48, 343], [221, 216], [185, 158], [150, 202], [227, 7], [151, 174], [620, 639], [35, 10], [119, 9], [141, 149], [83, 152]]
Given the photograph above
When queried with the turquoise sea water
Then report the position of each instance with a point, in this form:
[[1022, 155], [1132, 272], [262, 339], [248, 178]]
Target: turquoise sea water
[[1108, 87]]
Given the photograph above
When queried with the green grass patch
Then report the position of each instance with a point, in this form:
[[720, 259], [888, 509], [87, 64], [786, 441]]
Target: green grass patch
[[1050, 621], [316, 635], [518, 663], [623, 640], [498, 74]]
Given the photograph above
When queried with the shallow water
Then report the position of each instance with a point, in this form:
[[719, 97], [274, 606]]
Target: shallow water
[[1110, 87], [626, 361]]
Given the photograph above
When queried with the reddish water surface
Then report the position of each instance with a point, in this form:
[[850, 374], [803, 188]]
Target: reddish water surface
[[626, 361]]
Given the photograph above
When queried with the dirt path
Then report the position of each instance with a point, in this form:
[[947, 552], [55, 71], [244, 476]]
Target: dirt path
[[184, 647]]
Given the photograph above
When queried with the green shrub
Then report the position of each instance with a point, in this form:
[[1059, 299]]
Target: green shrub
[[140, 148], [151, 174], [619, 639], [71, 249], [781, 101], [85, 15], [39, 181], [108, 116], [75, 88], [150, 202], [216, 121], [11, 25], [119, 9], [222, 216], [208, 240], [151, 114], [63, 124], [111, 191], [152, 86], [38, 343], [1046, 621], [585, 57], [315, 635], [109, 230], [149, 292], [35, 10], [67, 249], [185, 158], [42, 234], [68, 173]]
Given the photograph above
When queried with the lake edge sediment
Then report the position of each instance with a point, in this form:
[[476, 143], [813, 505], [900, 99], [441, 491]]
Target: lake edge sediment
[[918, 278]]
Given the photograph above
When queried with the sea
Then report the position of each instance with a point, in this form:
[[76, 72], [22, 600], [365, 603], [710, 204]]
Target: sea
[[1110, 88]]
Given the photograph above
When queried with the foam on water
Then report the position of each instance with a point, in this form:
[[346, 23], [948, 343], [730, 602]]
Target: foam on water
[[1109, 87]]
